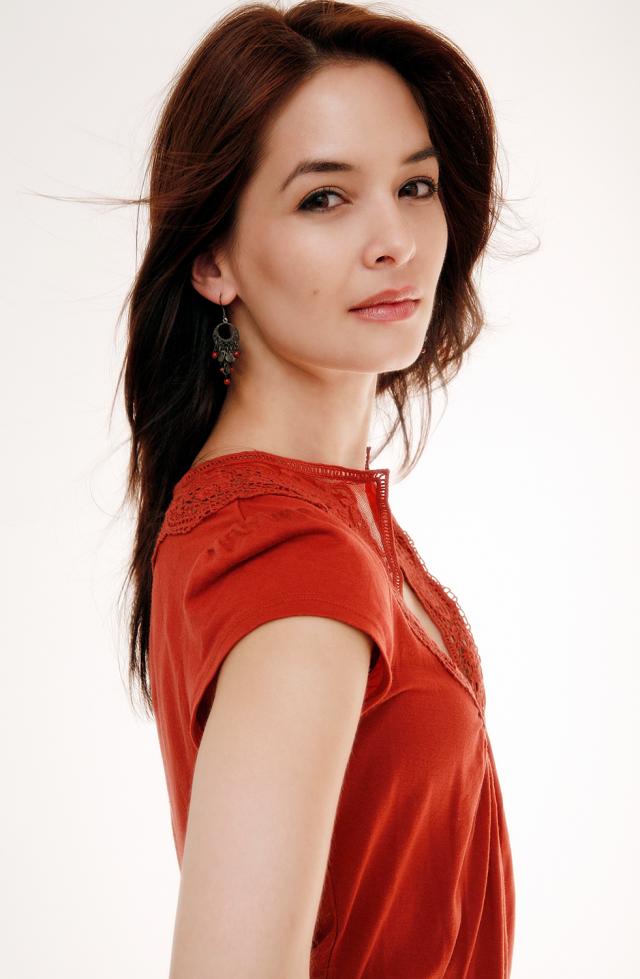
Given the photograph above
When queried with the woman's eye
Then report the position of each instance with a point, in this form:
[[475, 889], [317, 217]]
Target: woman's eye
[[323, 192], [425, 180], [306, 204]]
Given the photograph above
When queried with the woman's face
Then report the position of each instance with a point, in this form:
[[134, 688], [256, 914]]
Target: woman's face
[[302, 258]]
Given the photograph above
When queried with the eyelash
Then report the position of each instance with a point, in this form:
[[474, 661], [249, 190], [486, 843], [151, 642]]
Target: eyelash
[[329, 190]]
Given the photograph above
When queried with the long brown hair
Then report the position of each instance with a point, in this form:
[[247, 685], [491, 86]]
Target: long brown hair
[[205, 148]]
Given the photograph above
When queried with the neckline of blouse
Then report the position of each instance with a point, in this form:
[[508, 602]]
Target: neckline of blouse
[[319, 468]]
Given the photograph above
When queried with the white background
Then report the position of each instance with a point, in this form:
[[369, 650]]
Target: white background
[[524, 503]]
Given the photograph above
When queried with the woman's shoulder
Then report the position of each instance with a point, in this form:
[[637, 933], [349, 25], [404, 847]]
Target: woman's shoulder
[[237, 496]]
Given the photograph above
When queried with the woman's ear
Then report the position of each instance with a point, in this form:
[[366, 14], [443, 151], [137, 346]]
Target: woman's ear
[[207, 278]]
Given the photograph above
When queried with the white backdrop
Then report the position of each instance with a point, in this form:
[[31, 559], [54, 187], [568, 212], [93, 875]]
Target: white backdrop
[[524, 503]]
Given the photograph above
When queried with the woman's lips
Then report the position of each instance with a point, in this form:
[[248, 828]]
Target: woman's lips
[[388, 311]]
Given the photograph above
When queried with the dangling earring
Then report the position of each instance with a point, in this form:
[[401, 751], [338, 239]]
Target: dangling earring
[[225, 349]]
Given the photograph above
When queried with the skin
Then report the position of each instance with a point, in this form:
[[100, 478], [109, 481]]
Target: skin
[[304, 384]]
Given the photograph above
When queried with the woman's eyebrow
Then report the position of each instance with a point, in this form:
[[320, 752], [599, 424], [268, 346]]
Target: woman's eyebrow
[[327, 166]]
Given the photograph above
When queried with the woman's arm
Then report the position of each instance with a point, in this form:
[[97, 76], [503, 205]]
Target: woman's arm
[[265, 792]]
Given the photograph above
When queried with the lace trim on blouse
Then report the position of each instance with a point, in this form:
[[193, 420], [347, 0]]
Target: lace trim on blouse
[[444, 609], [196, 498]]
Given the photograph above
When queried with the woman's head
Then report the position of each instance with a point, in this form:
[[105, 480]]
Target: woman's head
[[301, 257], [265, 89]]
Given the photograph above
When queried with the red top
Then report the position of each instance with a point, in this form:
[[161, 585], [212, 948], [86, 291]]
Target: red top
[[419, 883]]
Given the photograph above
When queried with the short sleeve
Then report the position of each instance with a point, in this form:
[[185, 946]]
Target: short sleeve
[[269, 557]]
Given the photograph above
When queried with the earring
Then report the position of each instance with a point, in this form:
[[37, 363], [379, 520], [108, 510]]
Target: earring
[[225, 349]]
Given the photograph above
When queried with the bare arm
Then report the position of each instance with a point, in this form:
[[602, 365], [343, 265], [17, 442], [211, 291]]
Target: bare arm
[[265, 792]]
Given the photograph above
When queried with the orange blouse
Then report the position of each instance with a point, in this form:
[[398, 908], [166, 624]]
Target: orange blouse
[[419, 882]]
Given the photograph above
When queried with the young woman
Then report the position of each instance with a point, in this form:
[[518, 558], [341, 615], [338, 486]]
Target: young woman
[[323, 183]]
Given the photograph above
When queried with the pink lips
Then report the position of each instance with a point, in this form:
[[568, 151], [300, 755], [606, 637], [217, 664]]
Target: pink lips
[[388, 311], [388, 296]]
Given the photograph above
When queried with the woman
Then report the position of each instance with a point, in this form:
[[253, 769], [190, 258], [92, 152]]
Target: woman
[[323, 183]]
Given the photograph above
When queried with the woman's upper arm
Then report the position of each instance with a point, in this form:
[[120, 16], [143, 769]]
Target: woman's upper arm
[[264, 796]]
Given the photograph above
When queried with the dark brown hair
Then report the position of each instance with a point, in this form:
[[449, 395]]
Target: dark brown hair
[[206, 147]]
